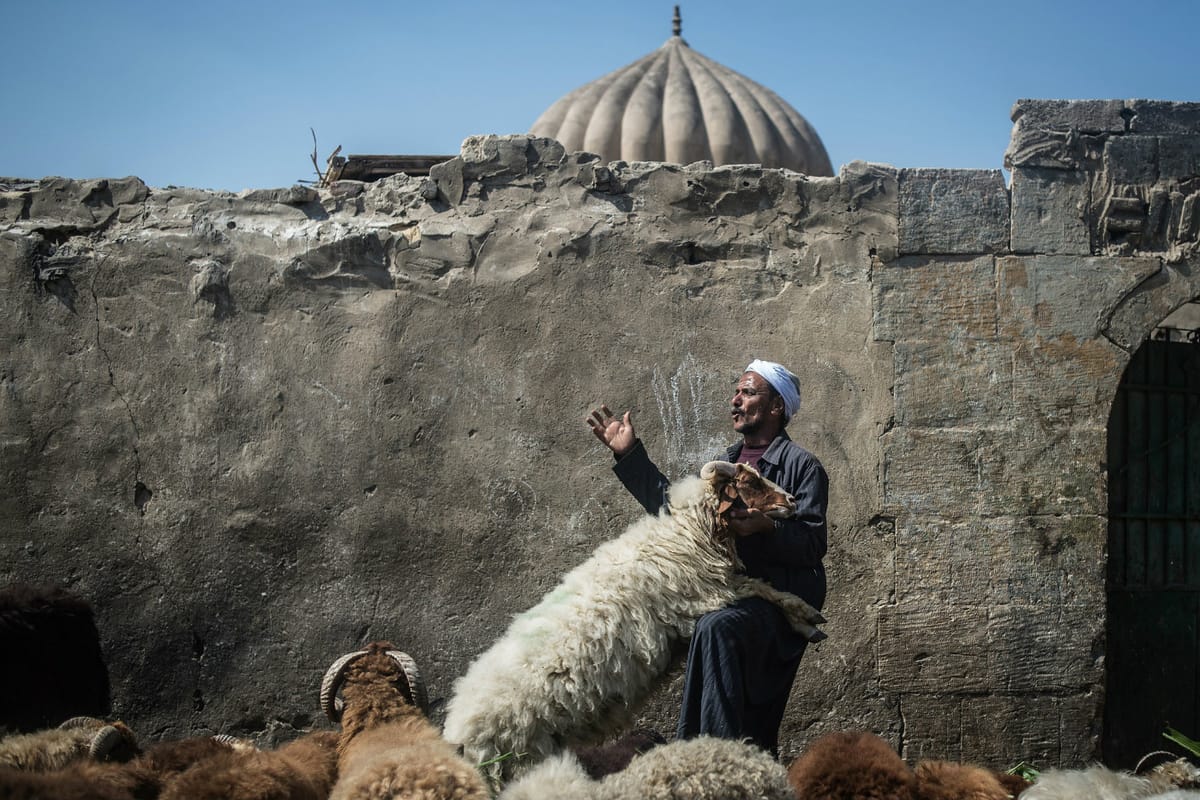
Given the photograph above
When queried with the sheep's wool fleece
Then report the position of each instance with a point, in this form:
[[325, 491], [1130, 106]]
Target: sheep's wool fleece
[[1094, 783], [703, 768], [948, 780], [385, 765], [852, 765], [46, 750], [575, 666], [560, 777]]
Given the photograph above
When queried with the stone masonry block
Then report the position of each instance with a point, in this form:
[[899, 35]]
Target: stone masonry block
[[1062, 381], [1000, 731], [1163, 116], [1131, 160], [1044, 297], [1179, 157], [935, 299], [953, 211], [1044, 648], [1049, 211], [940, 562], [1088, 116], [952, 381], [1052, 133], [933, 649], [957, 473], [1051, 559], [932, 727], [933, 471], [1037, 469]]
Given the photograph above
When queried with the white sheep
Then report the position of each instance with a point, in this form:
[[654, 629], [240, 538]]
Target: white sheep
[[576, 666], [704, 768], [1094, 783], [387, 748]]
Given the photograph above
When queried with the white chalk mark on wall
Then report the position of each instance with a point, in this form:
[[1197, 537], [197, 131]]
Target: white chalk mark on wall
[[688, 403]]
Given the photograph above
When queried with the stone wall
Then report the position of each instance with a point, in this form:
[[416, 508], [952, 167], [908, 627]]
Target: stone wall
[[257, 430]]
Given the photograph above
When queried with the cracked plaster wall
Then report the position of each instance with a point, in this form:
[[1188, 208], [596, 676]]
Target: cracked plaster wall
[[259, 429]]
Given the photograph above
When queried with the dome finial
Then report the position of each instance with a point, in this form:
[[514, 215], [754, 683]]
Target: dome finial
[[677, 23]]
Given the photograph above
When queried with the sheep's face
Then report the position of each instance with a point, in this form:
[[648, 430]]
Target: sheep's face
[[740, 486]]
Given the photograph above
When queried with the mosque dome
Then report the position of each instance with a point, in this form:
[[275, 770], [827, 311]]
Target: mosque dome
[[678, 106]]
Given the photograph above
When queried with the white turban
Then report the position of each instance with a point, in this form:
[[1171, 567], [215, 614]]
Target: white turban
[[782, 380]]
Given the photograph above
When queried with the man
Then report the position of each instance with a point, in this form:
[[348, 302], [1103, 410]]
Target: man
[[743, 658]]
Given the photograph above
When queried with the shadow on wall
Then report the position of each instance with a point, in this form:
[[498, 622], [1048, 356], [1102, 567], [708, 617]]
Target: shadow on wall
[[52, 653]]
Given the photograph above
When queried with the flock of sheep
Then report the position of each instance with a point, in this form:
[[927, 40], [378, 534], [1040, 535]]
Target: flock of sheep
[[572, 670]]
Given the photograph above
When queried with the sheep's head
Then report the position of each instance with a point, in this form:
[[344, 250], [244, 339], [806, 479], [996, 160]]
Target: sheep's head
[[740, 486], [387, 674], [107, 741]]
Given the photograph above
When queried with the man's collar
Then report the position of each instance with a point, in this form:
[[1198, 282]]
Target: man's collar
[[771, 456]]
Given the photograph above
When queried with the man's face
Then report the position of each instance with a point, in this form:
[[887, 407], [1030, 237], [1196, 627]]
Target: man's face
[[752, 405]]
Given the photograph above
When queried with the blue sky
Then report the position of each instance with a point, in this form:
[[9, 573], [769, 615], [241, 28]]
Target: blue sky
[[222, 95]]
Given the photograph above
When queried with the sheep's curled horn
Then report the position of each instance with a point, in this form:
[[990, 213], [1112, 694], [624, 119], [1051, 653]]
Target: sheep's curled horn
[[414, 688], [104, 741]]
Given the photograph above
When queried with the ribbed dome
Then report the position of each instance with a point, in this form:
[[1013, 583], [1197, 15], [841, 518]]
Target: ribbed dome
[[675, 105]]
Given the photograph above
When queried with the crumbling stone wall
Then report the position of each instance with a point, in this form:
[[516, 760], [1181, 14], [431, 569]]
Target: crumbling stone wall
[[259, 429]]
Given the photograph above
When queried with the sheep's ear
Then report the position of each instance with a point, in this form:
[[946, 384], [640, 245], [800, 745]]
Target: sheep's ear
[[723, 468], [729, 496]]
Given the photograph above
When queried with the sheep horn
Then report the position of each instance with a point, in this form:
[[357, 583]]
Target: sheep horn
[[225, 738], [722, 468], [1169, 757], [80, 722], [332, 682], [412, 675], [104, 742]]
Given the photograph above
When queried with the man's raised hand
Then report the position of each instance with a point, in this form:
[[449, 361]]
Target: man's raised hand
[[616, 432]]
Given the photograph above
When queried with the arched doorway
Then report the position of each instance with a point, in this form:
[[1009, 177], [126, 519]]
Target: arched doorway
[[1153, 630]]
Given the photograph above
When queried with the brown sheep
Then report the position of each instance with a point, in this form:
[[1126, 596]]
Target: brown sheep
[[947, 780], [304, 769], [851, 766], [77, 739], [387, 748], [142, 778]]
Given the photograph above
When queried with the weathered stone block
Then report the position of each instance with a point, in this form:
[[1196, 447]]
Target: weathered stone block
[[941, 563], [1131, 160], [935, 299], [13, 206], [1022, 560], [932, 727], [952, 211], [1042, 648], [1089, 116], [1062, 381], [1046, 297], [1049, 211], [1137, 311], [928, 650], [848, 221], [1055, 133], [1001, 731], [956, 473], [1163, 116], [288, 196], [1038, 468], [1179, 157], [933, 471], [952, 381]]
